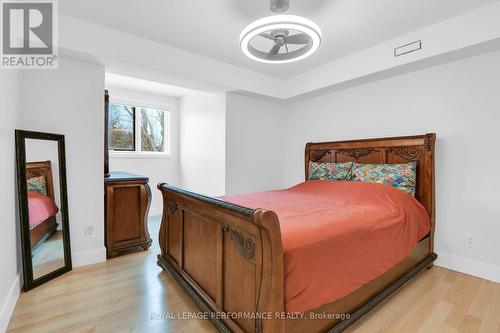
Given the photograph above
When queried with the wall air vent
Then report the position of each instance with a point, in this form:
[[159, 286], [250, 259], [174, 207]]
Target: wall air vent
[[408, 48]]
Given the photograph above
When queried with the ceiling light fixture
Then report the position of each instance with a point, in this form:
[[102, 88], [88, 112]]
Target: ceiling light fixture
[[280, 38]]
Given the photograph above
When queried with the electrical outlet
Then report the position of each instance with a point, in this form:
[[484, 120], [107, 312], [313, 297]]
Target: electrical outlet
[[470, 240], [89, 232]]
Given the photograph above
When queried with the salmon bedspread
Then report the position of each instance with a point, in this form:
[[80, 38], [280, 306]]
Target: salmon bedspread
[[339, 235], [40, 208]]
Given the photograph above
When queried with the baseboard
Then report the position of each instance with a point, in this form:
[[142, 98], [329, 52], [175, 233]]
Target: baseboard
[[89, 257], [9, 303], [468, 266]]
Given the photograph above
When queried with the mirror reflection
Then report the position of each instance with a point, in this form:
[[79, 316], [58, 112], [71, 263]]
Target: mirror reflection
[[44, 206]]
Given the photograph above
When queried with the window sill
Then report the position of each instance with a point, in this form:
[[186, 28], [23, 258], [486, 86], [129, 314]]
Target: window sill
[[134, 154]]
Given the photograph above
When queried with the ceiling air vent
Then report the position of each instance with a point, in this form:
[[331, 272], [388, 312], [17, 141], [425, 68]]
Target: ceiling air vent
[[408, 48]]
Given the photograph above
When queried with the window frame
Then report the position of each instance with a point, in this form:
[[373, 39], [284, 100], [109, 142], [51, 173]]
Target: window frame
[[137, 153]]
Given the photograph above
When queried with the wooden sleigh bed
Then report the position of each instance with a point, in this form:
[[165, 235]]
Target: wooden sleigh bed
[[46, 228], [229, 258]]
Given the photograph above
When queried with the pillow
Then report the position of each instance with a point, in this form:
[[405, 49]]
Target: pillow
[[37, 184], [329, 171], [401, 176]]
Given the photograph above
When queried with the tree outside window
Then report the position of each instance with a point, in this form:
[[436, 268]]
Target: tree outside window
[[122, 131], [152, 130]]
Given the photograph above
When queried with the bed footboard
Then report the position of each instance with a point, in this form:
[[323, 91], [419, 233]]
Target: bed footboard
[[229, 259]]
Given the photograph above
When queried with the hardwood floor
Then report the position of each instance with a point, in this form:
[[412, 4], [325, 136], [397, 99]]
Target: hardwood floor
[[122, 294], [438, 300]]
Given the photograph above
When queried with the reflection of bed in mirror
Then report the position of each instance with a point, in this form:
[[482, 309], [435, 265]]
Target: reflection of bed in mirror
[[41, 202]]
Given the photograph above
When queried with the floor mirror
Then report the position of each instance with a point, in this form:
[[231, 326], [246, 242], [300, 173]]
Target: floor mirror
[[43, 206]]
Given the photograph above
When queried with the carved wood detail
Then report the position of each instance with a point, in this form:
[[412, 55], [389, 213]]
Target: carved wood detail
[[171, 207], [356, 153], [409, 154], [245, 245], [319, 154], [428, 142]]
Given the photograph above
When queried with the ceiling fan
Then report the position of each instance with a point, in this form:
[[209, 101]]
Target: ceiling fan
[[293, 37], [282, 38]]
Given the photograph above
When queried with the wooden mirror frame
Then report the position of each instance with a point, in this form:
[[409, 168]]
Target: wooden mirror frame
[[21, 136]]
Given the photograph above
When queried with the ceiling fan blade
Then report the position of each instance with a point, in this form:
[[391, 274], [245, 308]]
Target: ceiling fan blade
[[274, 50], [266, 35], [297, 39]]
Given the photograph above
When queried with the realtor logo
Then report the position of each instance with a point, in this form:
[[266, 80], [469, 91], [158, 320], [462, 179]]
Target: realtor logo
[[29, 34]]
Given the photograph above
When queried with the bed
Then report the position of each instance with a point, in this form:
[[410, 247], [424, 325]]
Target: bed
[[234, 261], [42, 207]]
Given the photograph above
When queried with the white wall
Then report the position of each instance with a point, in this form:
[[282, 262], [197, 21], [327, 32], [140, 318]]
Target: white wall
[[203, 142], [70, 101], [9, 237], [158, 169], [460, 101], [254, 144]]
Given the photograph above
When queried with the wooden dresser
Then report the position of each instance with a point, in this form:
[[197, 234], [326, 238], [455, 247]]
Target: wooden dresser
[[127, 201]]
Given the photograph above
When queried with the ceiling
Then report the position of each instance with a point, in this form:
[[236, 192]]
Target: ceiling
[[211, 28]]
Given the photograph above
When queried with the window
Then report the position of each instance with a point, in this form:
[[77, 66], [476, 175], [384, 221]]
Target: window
[[139, 130], [152, 130], [122, 131]]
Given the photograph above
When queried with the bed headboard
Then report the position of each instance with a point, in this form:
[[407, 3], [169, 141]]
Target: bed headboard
[[44, 168], [404, 149]]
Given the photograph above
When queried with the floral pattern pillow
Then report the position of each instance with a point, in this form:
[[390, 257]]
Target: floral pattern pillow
[[330, 171], [37, 184], [401, 176]]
